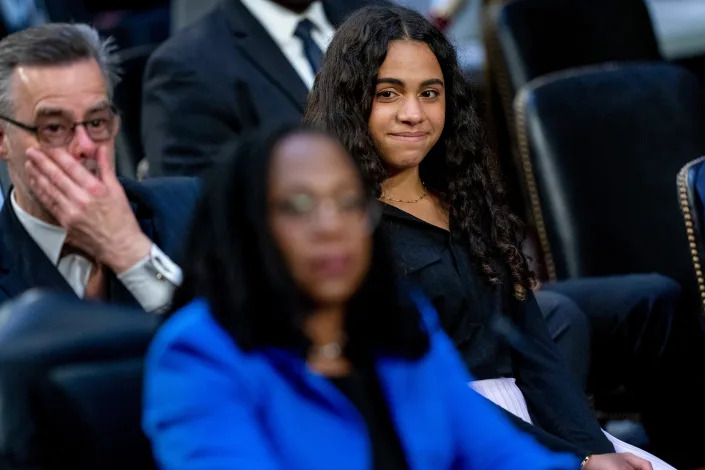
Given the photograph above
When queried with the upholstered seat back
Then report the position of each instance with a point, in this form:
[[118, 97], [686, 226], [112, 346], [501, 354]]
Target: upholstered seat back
[[128, 99], [691, 194], [70, 385], [526, 39], [601, 148], [537, 37]]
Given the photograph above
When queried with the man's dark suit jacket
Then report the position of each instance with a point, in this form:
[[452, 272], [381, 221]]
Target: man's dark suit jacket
[[163, 208], [214, 81]]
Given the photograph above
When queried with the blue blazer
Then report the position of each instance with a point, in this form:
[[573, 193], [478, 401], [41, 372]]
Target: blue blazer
[[210, 405], [163, 208]]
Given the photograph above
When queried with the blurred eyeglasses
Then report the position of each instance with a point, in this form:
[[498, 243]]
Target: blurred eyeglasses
[[58, 130], [352, 209]]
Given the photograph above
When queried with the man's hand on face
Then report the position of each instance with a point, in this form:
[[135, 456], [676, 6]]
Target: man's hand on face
[[93, 208]]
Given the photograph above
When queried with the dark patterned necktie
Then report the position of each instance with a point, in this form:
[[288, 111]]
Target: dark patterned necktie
[[313, 53]]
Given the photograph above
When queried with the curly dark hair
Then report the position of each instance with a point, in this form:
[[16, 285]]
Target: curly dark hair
[[460, 167]]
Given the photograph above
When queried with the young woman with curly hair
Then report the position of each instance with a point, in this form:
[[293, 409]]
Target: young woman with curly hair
[[392, 92]]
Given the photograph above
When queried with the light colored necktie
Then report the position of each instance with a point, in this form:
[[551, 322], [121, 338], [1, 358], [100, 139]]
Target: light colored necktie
[[95, 287]]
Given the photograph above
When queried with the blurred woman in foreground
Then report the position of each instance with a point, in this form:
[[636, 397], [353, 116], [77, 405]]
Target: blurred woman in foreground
[[299, 350]]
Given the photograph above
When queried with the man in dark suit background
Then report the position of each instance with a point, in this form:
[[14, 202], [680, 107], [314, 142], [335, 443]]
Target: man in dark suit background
[[245, 64], [69, 225]]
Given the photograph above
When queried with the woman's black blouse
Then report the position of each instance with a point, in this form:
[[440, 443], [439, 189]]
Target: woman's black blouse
[[362, 388], [440, 265]]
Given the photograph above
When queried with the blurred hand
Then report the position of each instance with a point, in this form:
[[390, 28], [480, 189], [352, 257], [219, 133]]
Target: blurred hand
[[93, 208], [624, 461]]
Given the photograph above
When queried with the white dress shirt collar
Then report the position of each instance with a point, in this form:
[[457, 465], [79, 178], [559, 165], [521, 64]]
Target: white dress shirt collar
[[280, 22], [50, 238]]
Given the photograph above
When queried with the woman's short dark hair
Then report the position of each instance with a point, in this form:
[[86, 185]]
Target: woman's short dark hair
[[459, 167], [234, 263]]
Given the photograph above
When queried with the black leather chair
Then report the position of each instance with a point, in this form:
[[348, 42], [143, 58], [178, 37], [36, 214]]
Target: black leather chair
[[536, 37], [128, 99], [70, 385], [691, 203], [600, 148], [526, 39]]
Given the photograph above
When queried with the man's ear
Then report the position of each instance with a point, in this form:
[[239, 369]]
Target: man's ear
[[3, 143]]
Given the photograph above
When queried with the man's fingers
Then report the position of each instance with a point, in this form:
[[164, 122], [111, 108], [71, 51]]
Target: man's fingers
[[51, 198], [56, 174], [41, 164], [82, 176], [106, 171], [637, 462]]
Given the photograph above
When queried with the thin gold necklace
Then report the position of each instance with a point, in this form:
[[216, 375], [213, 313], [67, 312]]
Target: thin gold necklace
[[425, 193]]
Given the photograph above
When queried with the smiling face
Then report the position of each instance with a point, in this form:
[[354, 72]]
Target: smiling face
[[408, 111], [71, 92], [318, 213]]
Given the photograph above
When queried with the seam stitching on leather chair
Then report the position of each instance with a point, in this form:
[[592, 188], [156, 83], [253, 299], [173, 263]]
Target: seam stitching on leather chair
[[584, 70], [528, 170], [518, 140], [525, 152], [507, 96], [505, 89], [494, 50], [689, 227]]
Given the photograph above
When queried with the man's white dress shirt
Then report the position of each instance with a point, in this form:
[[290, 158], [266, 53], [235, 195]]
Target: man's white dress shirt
[[151, 280], [280, 23]]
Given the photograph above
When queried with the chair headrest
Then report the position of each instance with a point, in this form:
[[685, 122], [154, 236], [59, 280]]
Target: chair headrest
[[543, 36], [41, 333]]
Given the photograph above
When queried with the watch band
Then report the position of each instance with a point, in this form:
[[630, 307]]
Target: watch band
[[585, 461]]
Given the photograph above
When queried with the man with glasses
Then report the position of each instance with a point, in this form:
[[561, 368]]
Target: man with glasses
[[68, 223]]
